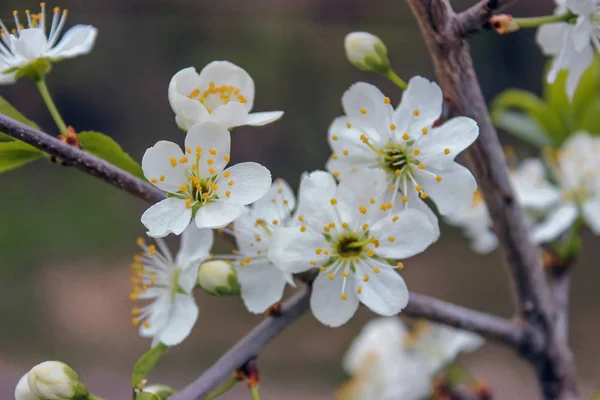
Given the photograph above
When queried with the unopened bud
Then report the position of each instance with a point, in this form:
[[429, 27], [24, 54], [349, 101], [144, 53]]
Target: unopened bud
[[503, 24], [23, 391], [54, 380], [218, 277], [367, 52], [162, 391]]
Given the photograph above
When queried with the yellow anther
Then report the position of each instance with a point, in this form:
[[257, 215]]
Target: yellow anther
[[212, 171], [371, 253], [416, 152], [227, 193], [421, 166], [362, 209], [162, 178], [400, 265], [365, 227], [183, 188], [152, 249], [344, 296], [327, 228], [146, 324], [325, 252], [198, 149], [405, 136], [395, 218], [391, 239], [334, 137], [242, 263], [173, 161], [446, 151], [397, 172], [345, 225], [275, 222], [345, 274], [334, 156], [336, 174], [183, 160], [188, 150], [210, 161], [135, 311], [154, 180], [345, 152], [363, 111], [135, 321], [424, 131], [366, 278], [226, 174], [330, 277], [300, 218], [349, 125], [319, 250], [386, 100], [416, 113], [227, 158], [188, 203], [303, 228], [231, 182], [212, 152], [333, 201], [438, 178], [248, 260], [376, 270], [393, 127], [418, 188], [424, 195], [359, 290], [392, 188]]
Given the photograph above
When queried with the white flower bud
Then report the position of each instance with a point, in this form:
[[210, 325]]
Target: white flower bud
[[54, 380], [367, 52], [218, 277], [23, 391], [162, 391]]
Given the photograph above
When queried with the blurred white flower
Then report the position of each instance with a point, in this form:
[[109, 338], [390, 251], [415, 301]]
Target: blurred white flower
[[54, 380], [353, 245], [569, 44], [221, 92], [23, 391], [219, 278], [261, 282], [197, 182], [22, 47], [416, 156], [388, 362], [367, 52], [168, 283]]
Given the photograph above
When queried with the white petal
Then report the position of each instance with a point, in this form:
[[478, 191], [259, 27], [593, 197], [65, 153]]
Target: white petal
[[531, 186], [158, 314], [485, 242], [271, 206], [326, 301], [209, 136], [195, 245], [591, 214], [167, 216], [555, 223], [249, 182], [364, 102], [454, 192], [226, 73], [262, 285], [550, 37], [292, 250], [385, 293], [76, 41], [455, 135], [156, 164], [187, 111], [230, 115], [415, 202], [579, 63], [316, 188], [582, 31], [412, 233], [262, 118], [181, 320], [30, 44], [188, 276], [6, 79], [217, 214], [23, 391], [423, 96]]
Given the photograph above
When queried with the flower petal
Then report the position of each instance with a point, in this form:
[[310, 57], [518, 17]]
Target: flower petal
[[226, 73], [187, 111], [409, 234], [210, 137], [416, 203], [531, 186], [326, 301], [316, 190], [262, 118], [452, 137], [385, 293], [579, 63], [556, 223], [365, 102], [156, 164], [76, 41], [420, 107], [218, 214], [550, 37], [246, 182], [485, 242], [30, 44], [292, 250], [167, 216], [272, 206], [230, 115], [591, 214], [182, 318], [195, 245], [262, 285]]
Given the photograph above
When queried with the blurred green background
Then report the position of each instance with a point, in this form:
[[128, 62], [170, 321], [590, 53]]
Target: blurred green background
[[66, 238]]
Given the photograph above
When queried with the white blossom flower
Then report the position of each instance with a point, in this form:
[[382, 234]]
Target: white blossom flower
[[54, 380], [25, 46], [576, 195], [168, 283], [571, 44], [476, 224], [388, 362], [417, 157], [23, 391], [221, 92], [352, 244], [367, 52], [261, 282], [197, 183]]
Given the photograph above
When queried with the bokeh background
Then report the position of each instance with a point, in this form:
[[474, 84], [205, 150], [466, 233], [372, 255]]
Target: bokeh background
[[66, 238]]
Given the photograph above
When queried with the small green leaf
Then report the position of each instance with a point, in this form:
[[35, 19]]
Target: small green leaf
[[521, 126], [147, 396], [7, 109], [106, 148], [589, 119], [16, 153], [146, 363]]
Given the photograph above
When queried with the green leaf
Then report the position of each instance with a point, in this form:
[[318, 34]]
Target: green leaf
[[537, 109], [106, 148], [146, 363], [7, 109], [589, 119], [523, 127], [587, 89], [16, 153], [147, 396]]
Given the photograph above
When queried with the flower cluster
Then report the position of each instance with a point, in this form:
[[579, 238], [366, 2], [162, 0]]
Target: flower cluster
[[387, 361]]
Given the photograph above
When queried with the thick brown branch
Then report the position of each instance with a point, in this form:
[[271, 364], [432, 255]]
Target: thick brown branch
[[454, 68], [80, 159]]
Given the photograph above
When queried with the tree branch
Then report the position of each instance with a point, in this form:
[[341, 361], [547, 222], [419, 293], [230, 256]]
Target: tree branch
[[453, 65], [477, 17]]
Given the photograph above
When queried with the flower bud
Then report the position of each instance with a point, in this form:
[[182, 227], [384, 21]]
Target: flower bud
[[23, 391], [504, 24], [367, 52], [54, 380], [219, 278], [162, 391]]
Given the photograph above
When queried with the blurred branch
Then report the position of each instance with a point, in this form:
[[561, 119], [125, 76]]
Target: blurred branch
[[478, 16], [78, 158], [444, 36]]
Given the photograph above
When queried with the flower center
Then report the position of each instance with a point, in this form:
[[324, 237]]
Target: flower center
[[394, 158], [350, 245], [215, 96]]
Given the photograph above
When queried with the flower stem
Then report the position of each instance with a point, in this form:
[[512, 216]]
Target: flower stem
[[41, 84], [534, 22], [391, 75], [223, 389], [92, 397], [572, 245], [254, 392]]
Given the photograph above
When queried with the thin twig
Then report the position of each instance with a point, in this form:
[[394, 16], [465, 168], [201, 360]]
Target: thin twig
[[477, 17], [454, 68]]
